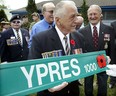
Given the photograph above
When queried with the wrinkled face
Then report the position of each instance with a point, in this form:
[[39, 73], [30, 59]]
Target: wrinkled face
[[68, 22], [94, 15], [16, 24], [79, 22], [48, 14]]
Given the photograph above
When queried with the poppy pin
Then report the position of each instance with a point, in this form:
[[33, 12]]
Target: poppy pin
[[72, 42]]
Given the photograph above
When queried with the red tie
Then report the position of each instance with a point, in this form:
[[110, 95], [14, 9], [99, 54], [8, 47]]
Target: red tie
[[95, 36]]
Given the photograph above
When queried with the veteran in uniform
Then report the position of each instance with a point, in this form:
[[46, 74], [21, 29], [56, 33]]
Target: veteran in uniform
[[14, 42]]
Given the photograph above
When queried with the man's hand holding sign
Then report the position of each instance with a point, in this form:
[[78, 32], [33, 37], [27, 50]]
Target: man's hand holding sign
[[37, 75], [54, 76], [101, 63]]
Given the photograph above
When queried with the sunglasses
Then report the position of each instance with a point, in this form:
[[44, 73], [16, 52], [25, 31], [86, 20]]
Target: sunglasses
[[16, 21]]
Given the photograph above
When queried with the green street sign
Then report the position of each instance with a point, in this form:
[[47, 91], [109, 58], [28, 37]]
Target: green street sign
[[30, 76]]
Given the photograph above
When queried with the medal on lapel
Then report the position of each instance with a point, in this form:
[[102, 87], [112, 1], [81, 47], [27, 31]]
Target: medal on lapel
[[12, 41], [106, 40], [75, 51]]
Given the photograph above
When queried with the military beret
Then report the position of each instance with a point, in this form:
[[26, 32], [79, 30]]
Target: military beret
[[14, 17]]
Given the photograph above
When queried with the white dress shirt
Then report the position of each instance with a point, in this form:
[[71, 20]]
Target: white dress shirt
[[20, 34], [61, 36]]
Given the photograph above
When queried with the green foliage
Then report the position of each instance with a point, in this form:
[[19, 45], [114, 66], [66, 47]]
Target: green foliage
[[2, 14], [110, 92], [31, 7], [2, 6], [83, 11]]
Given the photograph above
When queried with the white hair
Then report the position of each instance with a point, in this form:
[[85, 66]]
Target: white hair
[[95, 6], [60, 9]]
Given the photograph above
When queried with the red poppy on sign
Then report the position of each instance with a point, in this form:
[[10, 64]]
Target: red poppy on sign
[[101, 60]]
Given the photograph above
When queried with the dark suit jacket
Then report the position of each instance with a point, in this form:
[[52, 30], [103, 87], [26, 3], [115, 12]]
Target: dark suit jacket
[[48, 41], [104, 29], [13, 52], [113, 24]]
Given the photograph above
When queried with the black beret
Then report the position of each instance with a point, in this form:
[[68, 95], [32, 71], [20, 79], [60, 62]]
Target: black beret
[[14, 17]]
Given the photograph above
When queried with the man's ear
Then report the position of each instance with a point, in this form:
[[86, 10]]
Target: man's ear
[[101, 15]]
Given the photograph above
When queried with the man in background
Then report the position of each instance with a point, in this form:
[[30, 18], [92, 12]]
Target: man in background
[[80, 22], [36, 18], [14, 42], [25, 22], [46, 23], [113, 79], [4, 25], [97, 37]]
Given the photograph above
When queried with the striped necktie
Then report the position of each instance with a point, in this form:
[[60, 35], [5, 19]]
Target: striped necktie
[[18, 37], [67, 49]]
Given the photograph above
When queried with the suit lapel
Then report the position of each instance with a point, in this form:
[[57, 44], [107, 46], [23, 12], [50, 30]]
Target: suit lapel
[[24, 37], [55, 40], [89, 35], [101, 36], [73, 46], [11, 33]]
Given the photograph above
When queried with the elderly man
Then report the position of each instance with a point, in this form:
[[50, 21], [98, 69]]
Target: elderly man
[[46, 23], [97, 37], [36, 18], [14, 42], [80, 21], [58, 38], [5, 25]]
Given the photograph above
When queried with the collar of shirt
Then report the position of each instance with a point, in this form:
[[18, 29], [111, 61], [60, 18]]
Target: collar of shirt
[[47, 24], [40, 26], [20, 34], [61, 36], [98, 27]]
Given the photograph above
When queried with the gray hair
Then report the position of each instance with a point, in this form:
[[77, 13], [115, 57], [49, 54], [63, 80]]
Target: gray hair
[[60, 10], [95, 6], [44, 7]]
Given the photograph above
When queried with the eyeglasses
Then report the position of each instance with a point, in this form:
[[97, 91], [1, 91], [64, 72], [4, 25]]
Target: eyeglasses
[[16, 21], [50, 11]]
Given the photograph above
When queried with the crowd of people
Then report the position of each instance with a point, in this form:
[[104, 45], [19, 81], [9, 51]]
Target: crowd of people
[[60, 24]]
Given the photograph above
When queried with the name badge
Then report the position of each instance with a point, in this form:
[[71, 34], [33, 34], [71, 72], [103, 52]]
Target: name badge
[[106, 37], [106, 40]]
